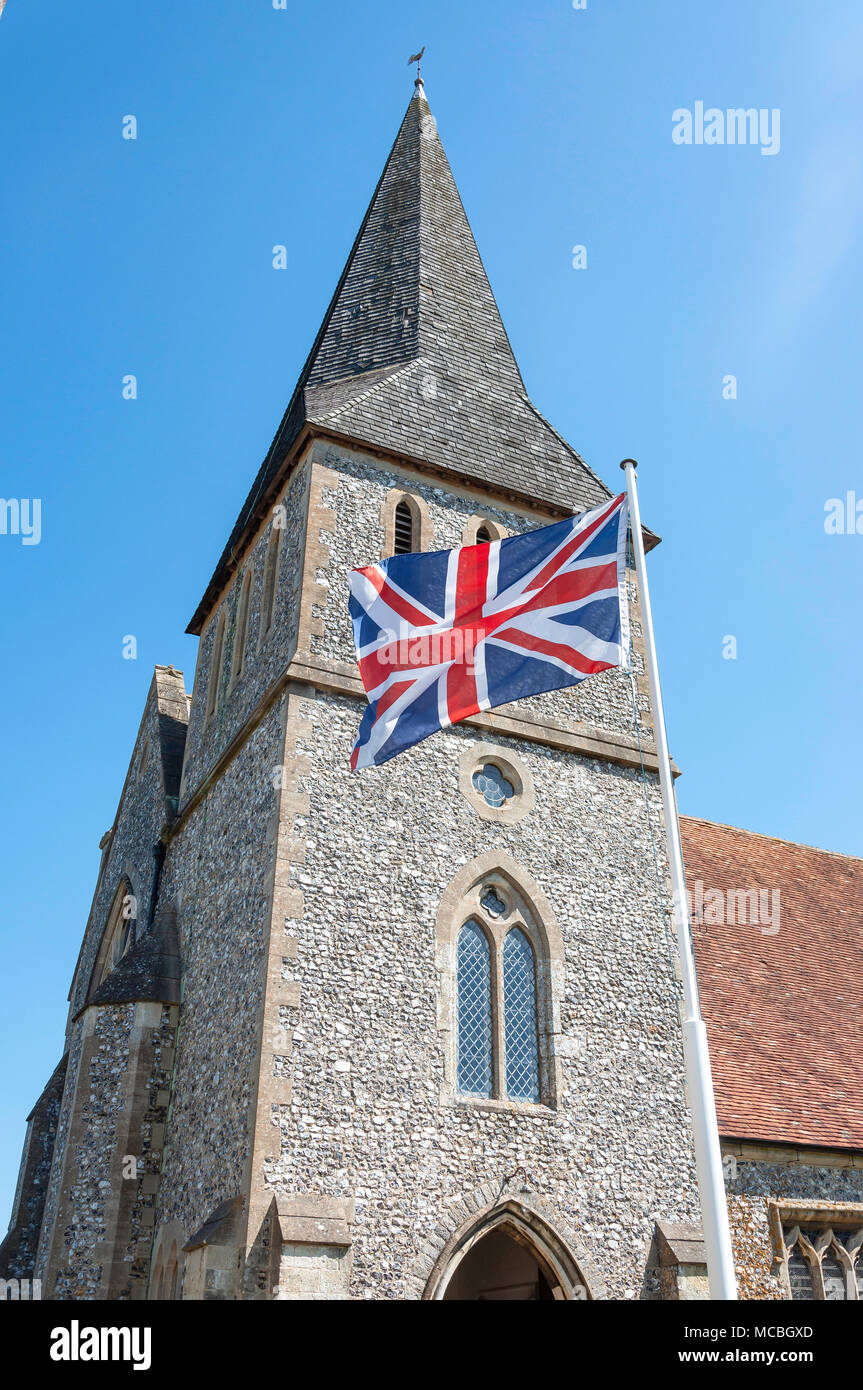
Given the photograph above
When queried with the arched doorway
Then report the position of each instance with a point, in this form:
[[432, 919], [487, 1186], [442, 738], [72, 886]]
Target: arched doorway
[[501, 1268], [507, 1254]]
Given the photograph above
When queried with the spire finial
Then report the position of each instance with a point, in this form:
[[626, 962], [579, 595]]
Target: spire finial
[[417, 58]]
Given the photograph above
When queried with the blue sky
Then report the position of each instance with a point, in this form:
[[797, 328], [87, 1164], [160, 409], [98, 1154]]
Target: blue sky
[[154, 257]]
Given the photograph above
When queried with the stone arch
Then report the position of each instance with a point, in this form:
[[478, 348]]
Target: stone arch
[[167, 1263], [529, 908], [494, 531], [420, 514], [520, 1214]]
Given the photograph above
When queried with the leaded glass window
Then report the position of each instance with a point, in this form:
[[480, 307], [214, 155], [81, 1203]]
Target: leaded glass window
[[499, 1053], [799, 1277], [824, 1263], [521, 1045], [474, 1012], [834, 1278], [493, 904], [492, 785]]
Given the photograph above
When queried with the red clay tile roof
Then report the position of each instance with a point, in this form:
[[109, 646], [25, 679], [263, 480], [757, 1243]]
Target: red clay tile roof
[[784, 1011]]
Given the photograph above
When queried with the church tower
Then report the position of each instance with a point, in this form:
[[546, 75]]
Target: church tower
[[406, 1033]]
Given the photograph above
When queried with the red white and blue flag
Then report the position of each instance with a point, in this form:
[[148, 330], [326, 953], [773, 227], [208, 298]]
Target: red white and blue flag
[[441, 636]]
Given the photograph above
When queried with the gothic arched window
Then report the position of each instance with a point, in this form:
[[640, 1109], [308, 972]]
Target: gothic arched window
[[216, 666], [271, 566], [497, 1018], [474, 1011], [502, 963], [520, 1037], [238, 658], [823, 1261], [119, 934], [407, 524], [480, 530]]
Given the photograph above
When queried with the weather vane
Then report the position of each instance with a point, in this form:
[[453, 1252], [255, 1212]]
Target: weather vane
[[417, 58]]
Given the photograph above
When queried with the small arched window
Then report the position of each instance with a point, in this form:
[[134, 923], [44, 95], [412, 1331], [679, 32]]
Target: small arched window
[[498, 1027], [481, 530], [238, 658], [119, 934], [216, 667], [407, 524], [271, 569], [405, 538]]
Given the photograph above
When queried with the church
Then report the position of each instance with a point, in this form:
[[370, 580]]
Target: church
[[414, 1033]]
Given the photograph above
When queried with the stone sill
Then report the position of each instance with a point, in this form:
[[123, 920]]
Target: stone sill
[[505, 1107]]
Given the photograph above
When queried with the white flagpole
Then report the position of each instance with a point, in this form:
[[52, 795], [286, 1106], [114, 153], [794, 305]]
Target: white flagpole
[[708, 1156]]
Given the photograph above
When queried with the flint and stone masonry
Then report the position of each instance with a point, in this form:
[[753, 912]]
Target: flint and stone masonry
[[258, 1097]]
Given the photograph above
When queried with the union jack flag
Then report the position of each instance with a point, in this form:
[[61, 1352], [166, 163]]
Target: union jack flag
[[441, 636]]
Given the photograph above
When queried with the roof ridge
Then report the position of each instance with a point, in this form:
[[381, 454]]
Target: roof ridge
[[391, 374], [777, 839], [566, 444]]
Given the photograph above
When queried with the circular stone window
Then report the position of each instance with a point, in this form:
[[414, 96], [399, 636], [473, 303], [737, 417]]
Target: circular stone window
[[491, 783], [496, 783]]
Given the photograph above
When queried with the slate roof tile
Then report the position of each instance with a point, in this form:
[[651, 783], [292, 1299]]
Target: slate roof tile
[[412, 356]]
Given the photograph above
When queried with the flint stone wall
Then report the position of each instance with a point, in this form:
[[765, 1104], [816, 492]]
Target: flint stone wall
[[267, 657], [219, 873], [52, 1196], [92, 1166], [750, 1189], [141, 815], [18, 1249], [367, 1119]]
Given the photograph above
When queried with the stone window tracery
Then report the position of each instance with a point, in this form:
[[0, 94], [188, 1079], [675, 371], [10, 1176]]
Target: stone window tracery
[[501, 961], [497, 782], [497, 1016], [820, 1251], [491, 784]]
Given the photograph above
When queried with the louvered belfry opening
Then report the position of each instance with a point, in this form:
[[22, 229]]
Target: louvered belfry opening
[[483, 536], [404, 529]]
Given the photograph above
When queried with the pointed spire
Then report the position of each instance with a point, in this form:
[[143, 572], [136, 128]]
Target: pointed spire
[[412, 356]]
